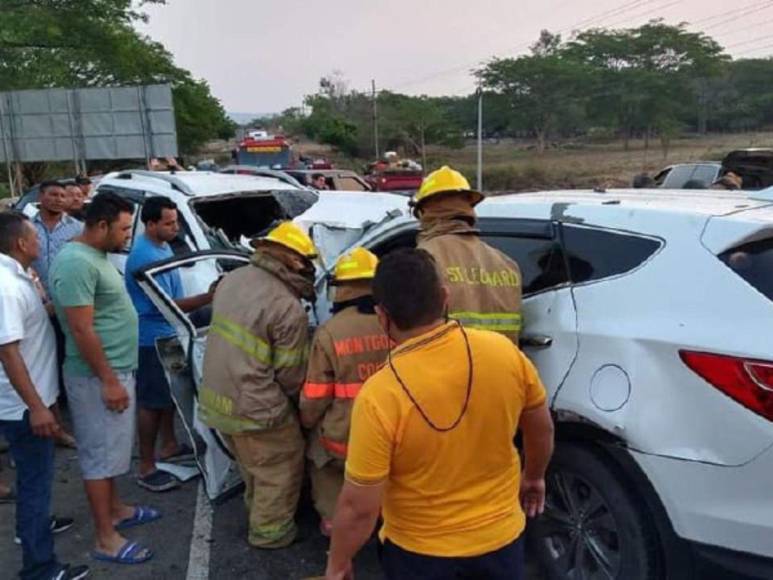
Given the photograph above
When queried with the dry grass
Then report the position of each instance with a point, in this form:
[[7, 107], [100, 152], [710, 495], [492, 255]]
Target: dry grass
[[516, 166]]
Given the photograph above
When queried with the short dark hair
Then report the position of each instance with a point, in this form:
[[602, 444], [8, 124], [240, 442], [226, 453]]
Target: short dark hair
[[11, 229], [106, 206], [82, 180], [408, 287], [48, 184], [154, 207], [315, 176]]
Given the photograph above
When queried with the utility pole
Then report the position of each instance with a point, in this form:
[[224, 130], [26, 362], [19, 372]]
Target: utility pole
[[479, 181], [375, 118]]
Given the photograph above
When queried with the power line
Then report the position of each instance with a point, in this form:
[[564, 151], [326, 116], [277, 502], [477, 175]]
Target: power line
[[647, 13], [758, 39], [601, 16], [748, 27], [721, 15], [738, 16]]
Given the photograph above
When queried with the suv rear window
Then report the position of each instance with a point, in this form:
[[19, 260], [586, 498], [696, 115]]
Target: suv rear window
[[595, 254], [754, 263]]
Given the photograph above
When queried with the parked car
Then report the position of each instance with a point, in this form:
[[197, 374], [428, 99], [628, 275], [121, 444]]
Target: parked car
[[261, 172], [336, 179], [754, 166], [649, 318], [676, 176]]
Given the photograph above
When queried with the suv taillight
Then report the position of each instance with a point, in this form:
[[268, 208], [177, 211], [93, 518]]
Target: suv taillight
[[749, 382]]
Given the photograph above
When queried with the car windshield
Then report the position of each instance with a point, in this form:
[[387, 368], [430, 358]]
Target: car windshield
[[235, 218], [754, 263]]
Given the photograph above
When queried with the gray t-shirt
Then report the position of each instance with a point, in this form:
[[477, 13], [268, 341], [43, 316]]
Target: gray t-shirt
[[83, 276]]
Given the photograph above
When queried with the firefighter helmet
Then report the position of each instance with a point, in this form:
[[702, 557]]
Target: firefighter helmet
[[442, 181], [359, 264], [290, 236]]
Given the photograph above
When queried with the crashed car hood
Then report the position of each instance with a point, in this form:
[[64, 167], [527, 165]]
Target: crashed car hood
[[339, 218]]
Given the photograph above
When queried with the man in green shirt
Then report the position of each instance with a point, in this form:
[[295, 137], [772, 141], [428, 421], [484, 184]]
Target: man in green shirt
[[101, 333]]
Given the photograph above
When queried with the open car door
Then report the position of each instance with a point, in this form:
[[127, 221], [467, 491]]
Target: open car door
[[182, 357]]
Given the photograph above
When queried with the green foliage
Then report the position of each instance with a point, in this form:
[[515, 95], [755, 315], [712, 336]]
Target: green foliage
[[82, 43]]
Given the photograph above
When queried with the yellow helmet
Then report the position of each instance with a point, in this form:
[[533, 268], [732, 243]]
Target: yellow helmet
[[445, 180], [359, 264], [290, 236]]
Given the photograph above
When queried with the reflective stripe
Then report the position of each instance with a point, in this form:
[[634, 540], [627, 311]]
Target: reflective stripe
[[318, 390], [257, 348], [334, 447], [272, 532], [216, 411], [347, 390], [242, 339], [290, 357], [497, 321], [337, 390]]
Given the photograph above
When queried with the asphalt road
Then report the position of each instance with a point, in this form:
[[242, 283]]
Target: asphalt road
[[219, 554]]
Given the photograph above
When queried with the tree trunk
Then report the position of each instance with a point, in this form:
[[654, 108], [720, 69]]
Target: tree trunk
[[541, 135]]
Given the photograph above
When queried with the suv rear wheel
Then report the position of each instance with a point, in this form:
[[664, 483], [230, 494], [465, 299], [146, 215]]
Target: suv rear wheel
[[593, 527]]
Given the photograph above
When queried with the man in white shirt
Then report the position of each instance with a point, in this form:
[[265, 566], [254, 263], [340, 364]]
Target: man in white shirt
[[28, 389]]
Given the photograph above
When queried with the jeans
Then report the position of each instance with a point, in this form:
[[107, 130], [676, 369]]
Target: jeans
[[34, 457], [507, 563]]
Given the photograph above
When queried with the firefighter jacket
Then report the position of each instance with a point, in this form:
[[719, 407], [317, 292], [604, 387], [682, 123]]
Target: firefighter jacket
[[257, 347], [346, 350], [484, 284]]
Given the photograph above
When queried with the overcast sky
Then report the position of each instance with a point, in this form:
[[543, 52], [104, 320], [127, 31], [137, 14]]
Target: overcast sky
[[265, 55]]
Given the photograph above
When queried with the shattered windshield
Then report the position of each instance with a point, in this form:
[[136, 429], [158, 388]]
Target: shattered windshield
[[232, 220]]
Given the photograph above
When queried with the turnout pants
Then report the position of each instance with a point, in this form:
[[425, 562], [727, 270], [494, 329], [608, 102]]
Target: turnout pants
[[271, 463], [326, 484]]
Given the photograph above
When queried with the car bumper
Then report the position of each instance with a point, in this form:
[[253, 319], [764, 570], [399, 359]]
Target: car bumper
[[711, 505], [750, 565]]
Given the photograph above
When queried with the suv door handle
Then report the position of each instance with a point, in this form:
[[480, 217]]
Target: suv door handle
[[536, 341]]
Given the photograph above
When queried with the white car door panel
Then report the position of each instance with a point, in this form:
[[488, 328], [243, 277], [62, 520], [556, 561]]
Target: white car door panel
[[182, 357]]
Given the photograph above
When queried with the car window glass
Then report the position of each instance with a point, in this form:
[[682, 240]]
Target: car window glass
[[754, 263], [678, 176], [705, 173], [346, 183], [595, 254], [541, 260]]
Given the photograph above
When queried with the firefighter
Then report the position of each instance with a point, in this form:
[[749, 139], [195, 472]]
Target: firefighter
[[484, 284], [346, 350], [254, 367]]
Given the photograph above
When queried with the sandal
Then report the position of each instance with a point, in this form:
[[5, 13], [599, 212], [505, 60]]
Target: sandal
[[142, 515], [130, 553], [158, 481]]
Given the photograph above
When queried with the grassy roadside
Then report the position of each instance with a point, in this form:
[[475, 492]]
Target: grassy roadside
[[515, 166]]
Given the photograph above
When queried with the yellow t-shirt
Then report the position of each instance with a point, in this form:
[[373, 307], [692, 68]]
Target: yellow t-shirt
[[451, 493]]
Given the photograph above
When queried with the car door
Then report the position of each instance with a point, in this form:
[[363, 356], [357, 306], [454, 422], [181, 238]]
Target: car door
[[182, 357], [549, 335]]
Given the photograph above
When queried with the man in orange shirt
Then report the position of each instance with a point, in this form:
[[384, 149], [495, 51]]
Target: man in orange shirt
[[431, 441]]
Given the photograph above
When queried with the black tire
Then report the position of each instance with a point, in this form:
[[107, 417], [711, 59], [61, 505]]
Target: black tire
[[593, 527]]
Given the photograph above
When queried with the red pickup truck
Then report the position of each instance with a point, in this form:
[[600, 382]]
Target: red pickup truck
[[384, 177]]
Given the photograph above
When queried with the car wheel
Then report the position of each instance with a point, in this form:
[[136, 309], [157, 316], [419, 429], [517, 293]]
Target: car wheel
[[592, 528]]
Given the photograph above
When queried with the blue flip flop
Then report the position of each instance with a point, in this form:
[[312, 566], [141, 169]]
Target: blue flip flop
[[142, 515], [128, 554]]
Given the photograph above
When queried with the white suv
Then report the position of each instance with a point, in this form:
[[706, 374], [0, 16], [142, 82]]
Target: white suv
[[649, 315]]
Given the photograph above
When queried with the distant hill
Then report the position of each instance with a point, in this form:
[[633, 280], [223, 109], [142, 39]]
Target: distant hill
[[243, 118]]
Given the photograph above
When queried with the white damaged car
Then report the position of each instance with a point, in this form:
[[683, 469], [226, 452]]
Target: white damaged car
[[649, 315]]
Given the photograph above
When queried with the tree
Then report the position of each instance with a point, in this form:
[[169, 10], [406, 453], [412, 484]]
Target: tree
[[644, 74], [85, 43], [538, 87]]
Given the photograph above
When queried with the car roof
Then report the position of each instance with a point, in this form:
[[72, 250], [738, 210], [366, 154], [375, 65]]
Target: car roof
[[694, 202], [200, 183], [347, 209]]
